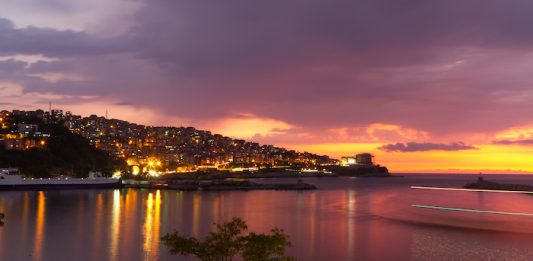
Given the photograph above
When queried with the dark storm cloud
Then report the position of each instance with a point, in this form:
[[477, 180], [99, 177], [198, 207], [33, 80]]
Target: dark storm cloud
[[415, 147], [52, 42], [11, 65], [289, 59], [203, 35]]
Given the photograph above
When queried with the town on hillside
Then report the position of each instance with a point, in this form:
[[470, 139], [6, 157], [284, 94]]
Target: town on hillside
[[148, 149]]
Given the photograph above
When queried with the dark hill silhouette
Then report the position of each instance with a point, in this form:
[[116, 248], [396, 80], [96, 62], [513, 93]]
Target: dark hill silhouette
[[66, 154]]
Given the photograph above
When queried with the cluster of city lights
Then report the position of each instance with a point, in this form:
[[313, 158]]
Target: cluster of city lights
[[153, 167], [117, 174], [150, 167]]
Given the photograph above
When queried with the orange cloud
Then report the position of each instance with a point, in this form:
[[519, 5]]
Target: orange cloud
[[379, 132], [515, 133], [246, 126]]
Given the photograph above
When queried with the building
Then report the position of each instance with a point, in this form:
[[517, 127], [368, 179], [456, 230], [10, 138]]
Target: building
[[348, 161], [364, 159], [25, 128], [359, 159], [14, 144]]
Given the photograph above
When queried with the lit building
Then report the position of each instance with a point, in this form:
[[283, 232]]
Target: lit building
[[14, 144], [359, 159], [27, 128]]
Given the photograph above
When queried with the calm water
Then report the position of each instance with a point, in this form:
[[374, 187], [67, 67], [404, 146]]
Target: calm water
[[346, 219]]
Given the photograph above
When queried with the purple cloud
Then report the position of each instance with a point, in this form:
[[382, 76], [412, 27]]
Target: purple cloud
[[415, 147], [311, 64], [374, 58], [54, 43]]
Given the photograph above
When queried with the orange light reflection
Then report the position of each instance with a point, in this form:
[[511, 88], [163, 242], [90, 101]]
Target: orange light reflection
[[115, 226], [39, 226]]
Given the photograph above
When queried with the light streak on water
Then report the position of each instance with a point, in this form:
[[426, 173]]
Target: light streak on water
[[39, 227], [351, 223], [148, 224], [196, 204], [473, 210], [152, 226], [473, 190], [115, 226]]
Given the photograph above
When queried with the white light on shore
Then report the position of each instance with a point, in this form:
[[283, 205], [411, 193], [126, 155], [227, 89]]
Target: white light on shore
[[117, 174]]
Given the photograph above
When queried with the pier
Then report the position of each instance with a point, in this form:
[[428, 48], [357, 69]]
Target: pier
[[216, 185]]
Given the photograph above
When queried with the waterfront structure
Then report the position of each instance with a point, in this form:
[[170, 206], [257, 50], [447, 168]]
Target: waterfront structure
[[27, 129], [364, 159], [359, 159], [11, 178], [348, 161], [360, 165]]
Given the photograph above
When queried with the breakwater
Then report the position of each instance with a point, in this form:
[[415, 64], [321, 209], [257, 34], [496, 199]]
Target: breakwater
[[216, 185]]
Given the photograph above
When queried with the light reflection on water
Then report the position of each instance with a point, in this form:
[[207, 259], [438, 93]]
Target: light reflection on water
[[344, 220], [157, 226], [25, 216], [98, 222], [152, 226], [148, 233], [39, 227], [350, 216], [196, 204], [114, 227]]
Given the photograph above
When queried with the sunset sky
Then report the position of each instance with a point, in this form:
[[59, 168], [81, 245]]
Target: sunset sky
[[424, 85]]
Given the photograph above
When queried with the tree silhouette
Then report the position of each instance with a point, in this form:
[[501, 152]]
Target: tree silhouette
[[228, 240]]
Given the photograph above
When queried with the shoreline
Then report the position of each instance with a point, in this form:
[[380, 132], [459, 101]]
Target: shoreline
[[231, 184], [202, 182]]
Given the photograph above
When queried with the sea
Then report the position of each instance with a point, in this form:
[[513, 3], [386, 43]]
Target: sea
[[344, 219]]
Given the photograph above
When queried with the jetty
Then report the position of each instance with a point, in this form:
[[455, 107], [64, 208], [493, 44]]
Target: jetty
[[481, 183], [216, 185]]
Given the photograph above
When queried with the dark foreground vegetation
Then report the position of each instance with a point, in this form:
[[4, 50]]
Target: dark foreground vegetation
[[65, 153], [228, 241]]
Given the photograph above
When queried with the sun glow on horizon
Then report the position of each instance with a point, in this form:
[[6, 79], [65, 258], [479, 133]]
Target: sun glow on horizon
[[487, 158], [247, 126]]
